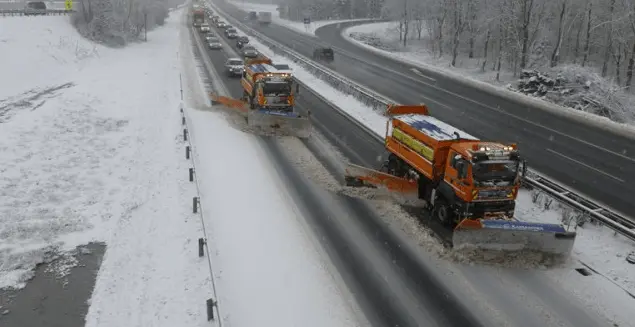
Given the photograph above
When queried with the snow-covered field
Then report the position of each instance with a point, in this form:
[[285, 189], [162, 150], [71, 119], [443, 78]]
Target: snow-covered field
[[91, 152], [597, 247], [276, 19]]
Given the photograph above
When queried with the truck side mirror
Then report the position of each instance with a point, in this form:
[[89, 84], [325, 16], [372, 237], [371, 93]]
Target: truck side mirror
[[462, 169], [524, 171], [297, 88]]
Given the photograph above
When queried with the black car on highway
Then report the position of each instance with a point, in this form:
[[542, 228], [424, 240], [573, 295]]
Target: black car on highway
[[323, 54], [241, 41]]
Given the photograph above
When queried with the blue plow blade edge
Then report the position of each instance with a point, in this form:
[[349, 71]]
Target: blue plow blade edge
[[279, 113], [522, 226]]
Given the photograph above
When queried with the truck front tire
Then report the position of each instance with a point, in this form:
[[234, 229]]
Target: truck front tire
[[443, 212]]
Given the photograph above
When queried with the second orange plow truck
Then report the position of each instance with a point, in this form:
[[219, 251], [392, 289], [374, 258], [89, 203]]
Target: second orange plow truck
[[467, 184], [268, 100]]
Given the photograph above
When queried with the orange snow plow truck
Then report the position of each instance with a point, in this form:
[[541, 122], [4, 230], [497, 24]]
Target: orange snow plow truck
[[468, 184], [268, 99]]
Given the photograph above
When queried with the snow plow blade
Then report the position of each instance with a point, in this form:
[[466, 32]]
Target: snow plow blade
[[231, 103], [290, 124], [504, 235], [359, 176]]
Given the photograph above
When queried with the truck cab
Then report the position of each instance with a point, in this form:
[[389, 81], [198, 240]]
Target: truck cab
[[267, 88], [481, 179]]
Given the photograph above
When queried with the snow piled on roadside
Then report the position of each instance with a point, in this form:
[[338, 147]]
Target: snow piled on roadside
[[308, 29], [91, 152], [269, 269], [596, 246], [151, 275]]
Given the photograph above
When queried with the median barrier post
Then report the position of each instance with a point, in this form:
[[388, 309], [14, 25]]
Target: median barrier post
[[195, 204], [201, 247], [210, 304]]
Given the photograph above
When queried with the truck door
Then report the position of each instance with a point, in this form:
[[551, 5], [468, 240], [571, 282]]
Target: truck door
[[456, 173]]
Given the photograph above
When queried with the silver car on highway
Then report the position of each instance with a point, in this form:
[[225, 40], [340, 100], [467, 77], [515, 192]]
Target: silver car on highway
[[214, 43], [249, 51], [234, 67]]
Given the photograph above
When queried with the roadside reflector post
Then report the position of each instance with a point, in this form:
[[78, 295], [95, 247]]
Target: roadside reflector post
[[201, 247], [187, 152], [185, 134], [195, 204], [191, 174], [210, 309]]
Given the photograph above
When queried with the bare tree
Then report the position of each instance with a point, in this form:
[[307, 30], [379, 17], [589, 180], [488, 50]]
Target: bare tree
[[609, 38], [555, 55]]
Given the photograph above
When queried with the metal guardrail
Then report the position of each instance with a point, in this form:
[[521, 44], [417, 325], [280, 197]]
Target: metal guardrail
[[42, 12], [616, 221], [612, 219]]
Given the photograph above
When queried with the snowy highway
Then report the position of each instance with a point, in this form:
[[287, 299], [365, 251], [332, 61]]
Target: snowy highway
[[416, 286], [96, 221], [590, 160]]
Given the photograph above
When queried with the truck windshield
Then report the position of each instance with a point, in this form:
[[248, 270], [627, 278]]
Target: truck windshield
[[276, 88], [495, 171]]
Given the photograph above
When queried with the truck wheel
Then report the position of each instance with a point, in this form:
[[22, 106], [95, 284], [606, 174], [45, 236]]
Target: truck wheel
[[443, 212], [251, 103]]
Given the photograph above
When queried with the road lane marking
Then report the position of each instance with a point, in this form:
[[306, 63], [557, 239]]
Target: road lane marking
[[585, 165], [416, 71], [497, 109]]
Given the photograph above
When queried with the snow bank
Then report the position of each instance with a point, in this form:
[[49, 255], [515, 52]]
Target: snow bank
[[90, 153], [308, 29], [151, 275], [596, 246], [269, 272], [268, 268]]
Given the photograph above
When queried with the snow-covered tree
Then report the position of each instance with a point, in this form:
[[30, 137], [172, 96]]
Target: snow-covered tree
[[115, 22]]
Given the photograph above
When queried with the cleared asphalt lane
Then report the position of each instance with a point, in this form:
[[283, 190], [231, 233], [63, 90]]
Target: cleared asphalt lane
[[587, 159], [397, 282]]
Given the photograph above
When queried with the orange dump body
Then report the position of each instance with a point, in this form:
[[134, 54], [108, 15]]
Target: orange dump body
[[425, 144], [414, 136]]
